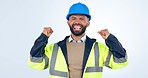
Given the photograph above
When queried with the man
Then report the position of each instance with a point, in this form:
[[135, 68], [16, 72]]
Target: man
[[77, 56]]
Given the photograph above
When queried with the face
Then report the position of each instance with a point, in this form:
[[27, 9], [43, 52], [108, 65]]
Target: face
[[78, 24]]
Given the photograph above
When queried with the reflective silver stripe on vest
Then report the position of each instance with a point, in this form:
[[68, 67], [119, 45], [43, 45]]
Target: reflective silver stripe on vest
[[53, 61], [40, 60], [116, 60], [120, 60], [96, 54], [46, 61], [108, 60], [36, 59]]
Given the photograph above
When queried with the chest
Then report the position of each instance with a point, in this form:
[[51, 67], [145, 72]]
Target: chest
[[75, 53]]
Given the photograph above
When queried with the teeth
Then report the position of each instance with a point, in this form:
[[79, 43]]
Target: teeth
[[77, 27]]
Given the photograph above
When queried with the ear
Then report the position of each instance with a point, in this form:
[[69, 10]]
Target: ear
[[88, 24], [68, 22]]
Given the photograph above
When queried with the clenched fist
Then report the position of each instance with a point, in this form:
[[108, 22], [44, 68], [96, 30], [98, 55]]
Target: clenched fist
[[104, 33], [47, 31]]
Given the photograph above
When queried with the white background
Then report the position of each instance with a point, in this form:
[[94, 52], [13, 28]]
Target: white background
[[22, 21]]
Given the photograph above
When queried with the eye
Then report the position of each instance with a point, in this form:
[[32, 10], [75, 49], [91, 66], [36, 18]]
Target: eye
[[81, 18], [72, 18]]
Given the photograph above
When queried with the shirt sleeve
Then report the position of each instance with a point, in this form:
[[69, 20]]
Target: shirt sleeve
[[115, 46], [38, 48], [39, 58]]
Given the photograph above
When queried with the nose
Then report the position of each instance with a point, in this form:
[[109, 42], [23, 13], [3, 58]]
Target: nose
[[77, 21]]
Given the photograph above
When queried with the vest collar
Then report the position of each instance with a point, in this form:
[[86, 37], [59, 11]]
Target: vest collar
[[60, 43]]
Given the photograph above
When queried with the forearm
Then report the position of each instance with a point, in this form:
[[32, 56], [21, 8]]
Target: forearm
[[38, 48], [115, 46]]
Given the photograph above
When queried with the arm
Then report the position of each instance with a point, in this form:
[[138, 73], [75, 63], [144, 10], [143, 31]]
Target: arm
[[115, 56], [115, 46], [38, 48], [112, 42], [38, 58]]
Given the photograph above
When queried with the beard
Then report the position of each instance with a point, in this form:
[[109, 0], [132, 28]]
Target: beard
[[77, 33]]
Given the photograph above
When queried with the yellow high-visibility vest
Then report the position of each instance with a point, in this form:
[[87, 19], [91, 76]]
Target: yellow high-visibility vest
[[99, 56]]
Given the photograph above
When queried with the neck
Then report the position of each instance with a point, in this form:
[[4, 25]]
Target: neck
[[76, 38]]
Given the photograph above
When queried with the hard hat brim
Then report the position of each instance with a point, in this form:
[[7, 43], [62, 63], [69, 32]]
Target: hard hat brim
[[67, 17]]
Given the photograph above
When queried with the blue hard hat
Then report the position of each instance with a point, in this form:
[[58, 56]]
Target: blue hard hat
[[78, 8]]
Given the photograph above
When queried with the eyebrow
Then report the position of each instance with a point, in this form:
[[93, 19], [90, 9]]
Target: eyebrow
[[75, 17]]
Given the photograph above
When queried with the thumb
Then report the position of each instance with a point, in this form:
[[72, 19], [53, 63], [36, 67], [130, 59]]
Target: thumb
[[99, 32]]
